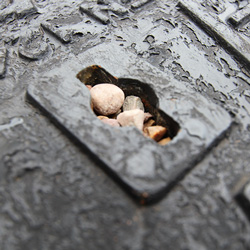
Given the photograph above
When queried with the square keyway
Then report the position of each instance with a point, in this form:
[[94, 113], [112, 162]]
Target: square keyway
[[144, 168]]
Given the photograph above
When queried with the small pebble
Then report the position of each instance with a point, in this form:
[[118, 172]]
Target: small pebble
[[107, 98], [101, 117], [156, 132], [131, 118], [89, 87], [132, 102], [148, 123], [147, 115], [164, 141], [111, 122]]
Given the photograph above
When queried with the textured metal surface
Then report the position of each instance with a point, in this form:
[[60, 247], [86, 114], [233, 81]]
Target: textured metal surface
[[53, 194], [146, 168], [3, 58], [215, 23]]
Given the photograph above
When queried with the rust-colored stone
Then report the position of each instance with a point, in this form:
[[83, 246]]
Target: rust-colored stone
[[156, 132], [148, 123], [101, 117], [164, 141]]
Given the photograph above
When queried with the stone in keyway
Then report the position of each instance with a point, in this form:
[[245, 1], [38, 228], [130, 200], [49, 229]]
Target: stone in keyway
[[131, 118], [106, 98], [111, 122], [132, 102], [148, 123], [164, 141], [156, 132], [101, 117], [147, 116], [89, 86]]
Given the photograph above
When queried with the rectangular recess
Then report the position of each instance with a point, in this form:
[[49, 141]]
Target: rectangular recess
[[145, 169]]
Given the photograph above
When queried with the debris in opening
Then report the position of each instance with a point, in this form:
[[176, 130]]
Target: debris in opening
[[121, 102]]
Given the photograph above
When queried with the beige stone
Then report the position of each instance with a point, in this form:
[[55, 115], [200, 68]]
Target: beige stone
[[131, 118], [111, 122], [106, 98]]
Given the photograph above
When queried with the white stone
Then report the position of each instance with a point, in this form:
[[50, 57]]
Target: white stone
[[131, 118], [111, 122], [106, 98]]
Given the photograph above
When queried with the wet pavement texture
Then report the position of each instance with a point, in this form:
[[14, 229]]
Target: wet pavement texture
[[68, 181]]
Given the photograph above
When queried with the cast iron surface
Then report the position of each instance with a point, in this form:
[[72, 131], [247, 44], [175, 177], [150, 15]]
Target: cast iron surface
[[215, 21], [53, 194], [145, 167]]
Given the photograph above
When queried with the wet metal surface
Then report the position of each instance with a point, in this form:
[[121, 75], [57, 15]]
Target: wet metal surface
[[3, 58], [53, 194], [237, 43], [145, 168]]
